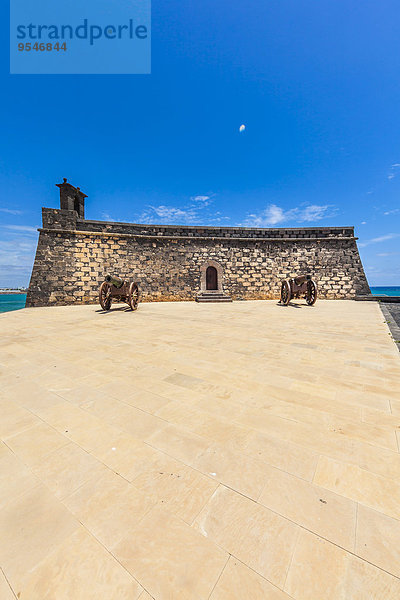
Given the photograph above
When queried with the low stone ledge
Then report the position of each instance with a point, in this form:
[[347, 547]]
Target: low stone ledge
[[372, 298], [88, 232]]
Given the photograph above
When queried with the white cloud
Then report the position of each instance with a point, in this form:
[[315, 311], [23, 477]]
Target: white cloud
[[314, 213], [26, 228], [392, 212], [388, 253], [201, 199], [17, 251], [273, 215], [11, 211], [107, 217], [378, 240], [16, 259], [363, 222], [173, 213], [194, 212], [384, 238], [393, 172]]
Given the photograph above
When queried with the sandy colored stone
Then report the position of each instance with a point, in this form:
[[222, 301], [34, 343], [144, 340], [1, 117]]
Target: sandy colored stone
[[6, 592], [145, 400], [169, 558], [389, 421], [152, 429], [66, 469], [180, 489], [238, 582], [235, 470], [15, 477], [215, 429], [145, 596], [77, 424], [14, 419], [79, 568], [318, 570], [329, 515], [132, 420], [30, 527], [180, 443], [366, 582], [322, 570], [348, 480], [377, 539], [108, 507], [288, 457], [255, 535], [34, 443]]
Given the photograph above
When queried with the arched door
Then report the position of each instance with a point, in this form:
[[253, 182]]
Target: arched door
[[211, 278]]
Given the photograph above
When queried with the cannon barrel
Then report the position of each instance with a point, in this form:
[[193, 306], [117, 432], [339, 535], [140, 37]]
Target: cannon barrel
[[114, 280], [300, 279]]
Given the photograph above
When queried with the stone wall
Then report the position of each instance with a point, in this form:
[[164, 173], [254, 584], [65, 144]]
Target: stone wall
[[74, 255]]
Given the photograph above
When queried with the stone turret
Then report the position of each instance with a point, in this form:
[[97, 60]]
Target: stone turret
[[71, 198]]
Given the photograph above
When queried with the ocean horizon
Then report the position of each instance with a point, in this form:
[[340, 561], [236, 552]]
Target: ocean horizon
[[9, 302]]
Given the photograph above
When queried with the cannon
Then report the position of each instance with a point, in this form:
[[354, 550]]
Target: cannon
[[301, 286], [119, 290]]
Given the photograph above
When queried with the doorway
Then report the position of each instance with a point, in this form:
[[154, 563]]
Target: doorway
[[211, 278]]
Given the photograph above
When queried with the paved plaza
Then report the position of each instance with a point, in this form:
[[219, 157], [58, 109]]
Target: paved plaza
[[191, 452]]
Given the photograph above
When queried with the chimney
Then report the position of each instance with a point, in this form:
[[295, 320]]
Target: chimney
[[72, 198]]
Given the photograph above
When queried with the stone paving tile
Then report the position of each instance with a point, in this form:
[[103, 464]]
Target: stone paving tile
[[350, 481], [169, 558], [66, 469], [14, 419], [6, 592], [108, 507], [15, 477], [238, 582], [377, 539], [32, 445], [30, 528], [322, 570], [82, 569], [327, 514], [204, 452], [252, 533]]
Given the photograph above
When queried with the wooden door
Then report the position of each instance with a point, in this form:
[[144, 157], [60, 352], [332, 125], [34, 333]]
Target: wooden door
[[211, 278]]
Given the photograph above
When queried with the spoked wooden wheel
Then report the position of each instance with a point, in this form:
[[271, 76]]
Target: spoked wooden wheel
[[105, 297], [311, 294], [285, 292], [133, 296]]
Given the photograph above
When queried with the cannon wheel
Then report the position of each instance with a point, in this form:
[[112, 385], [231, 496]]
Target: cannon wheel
[[105, 297], [133, 296], [285, 292], [311, 294]]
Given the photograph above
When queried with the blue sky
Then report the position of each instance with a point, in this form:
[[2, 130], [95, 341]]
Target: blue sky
[[317, 85]]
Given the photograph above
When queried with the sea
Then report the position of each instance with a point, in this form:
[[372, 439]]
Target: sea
[[386, 291], [10, 302]]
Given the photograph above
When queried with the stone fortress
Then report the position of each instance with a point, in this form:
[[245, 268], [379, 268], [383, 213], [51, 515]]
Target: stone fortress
[[172, 262]]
